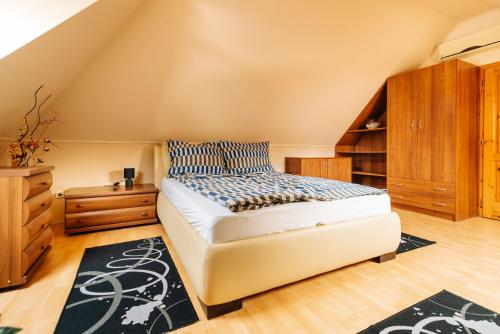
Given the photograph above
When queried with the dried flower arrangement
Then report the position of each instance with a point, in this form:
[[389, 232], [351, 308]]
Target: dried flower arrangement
[[31, 144]]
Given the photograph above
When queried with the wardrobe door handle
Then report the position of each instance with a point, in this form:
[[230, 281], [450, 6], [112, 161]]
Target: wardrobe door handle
[[421, 124], [413, 127]]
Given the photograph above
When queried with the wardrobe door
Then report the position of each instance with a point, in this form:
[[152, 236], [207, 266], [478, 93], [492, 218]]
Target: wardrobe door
[[491, 148], [401, 126], [443, 122], [423, 106]]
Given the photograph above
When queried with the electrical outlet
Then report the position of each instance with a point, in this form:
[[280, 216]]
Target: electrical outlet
[[59, 194]]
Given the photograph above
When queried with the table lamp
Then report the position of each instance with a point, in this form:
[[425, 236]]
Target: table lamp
[[129, 175]]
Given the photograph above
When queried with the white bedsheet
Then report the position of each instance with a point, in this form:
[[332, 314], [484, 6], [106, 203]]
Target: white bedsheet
[[217, 224]]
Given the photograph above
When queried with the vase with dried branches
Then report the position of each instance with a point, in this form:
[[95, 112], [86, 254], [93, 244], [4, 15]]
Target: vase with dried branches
[[31, 143]]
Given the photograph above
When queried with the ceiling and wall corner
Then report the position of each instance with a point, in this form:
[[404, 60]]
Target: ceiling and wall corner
[[294, 72], [23, 21], [474, 24], [56, 57]]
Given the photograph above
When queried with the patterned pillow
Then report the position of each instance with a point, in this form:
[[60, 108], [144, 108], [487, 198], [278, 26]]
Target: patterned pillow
[[246, 158], [187, 158]]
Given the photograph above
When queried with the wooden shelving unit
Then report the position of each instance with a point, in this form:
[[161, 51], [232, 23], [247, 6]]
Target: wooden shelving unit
[[368, 147], [367, 130], [361, 172], [362, 152]]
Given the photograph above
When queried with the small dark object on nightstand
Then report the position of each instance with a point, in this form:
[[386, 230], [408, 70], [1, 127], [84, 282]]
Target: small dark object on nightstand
[[129, 175]]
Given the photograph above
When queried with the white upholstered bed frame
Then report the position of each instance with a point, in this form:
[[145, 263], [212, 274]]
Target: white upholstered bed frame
[[222, 274]]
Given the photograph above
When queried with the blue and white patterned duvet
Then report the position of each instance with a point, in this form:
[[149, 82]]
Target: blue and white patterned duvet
[[251, 192]]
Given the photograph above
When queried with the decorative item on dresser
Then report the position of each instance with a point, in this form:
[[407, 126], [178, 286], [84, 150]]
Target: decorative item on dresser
[[433, 140], [98, 208], [25, 217], [328, 168]]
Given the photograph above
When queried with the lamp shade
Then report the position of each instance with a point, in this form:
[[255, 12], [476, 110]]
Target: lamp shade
[[129, 173]]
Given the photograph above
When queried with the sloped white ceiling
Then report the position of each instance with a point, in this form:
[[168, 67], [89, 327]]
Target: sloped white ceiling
[[293, 72]]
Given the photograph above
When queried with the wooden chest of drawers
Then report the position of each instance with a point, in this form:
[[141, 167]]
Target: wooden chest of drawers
[[98, 208], [25, 218], [438, 197]]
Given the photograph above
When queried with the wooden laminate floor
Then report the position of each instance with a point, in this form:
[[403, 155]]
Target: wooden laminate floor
[[465, 261]]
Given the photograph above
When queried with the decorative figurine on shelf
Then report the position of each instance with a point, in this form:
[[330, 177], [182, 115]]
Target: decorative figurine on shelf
[[372, 124], [31, 143]]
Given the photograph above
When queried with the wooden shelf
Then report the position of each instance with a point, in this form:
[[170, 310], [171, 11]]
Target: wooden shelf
[[361, 152], [367, 130], [368, 147], [368, 173]]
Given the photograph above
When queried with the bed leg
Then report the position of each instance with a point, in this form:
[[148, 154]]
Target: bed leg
[[385, 257], [213, 311]]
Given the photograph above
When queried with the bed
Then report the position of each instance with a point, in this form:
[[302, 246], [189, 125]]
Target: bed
[[227, 262]]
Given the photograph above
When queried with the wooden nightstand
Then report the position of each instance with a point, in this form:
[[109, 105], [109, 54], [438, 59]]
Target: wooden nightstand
[[99, 208]]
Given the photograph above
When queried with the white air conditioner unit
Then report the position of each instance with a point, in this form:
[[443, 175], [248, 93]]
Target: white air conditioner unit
[[469, 44]]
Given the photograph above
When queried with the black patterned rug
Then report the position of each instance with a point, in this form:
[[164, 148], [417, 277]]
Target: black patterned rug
[[9, 330], [130, 287], [410, 242], [443, 313]]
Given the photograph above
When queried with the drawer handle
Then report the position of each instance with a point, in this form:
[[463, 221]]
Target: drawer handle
[[439, 204], [440, 189], [42, 247], [397, 196], [144, 200], [145, 214], [43, 226], [44, 183], [43, 204], [397, 184], [80, 206], [82, 220]]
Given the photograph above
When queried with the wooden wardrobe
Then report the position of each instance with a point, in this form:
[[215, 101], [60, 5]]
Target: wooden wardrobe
[[433, 140]]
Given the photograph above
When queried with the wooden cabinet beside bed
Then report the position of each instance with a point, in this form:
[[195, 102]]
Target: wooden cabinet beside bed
[[25, 217], [327, 168], [98, 208]]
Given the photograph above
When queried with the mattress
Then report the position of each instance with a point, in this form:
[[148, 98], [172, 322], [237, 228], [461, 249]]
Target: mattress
[[217, 224]]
